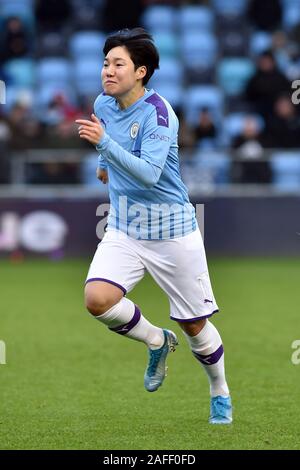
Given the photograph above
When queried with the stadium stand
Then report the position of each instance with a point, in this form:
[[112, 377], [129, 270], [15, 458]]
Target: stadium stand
[[209, 55]]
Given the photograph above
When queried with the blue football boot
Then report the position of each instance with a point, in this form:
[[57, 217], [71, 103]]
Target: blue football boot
[[220, 410], [156, 369]]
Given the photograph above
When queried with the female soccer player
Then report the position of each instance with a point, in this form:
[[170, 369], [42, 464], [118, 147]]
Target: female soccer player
[[151, 224]]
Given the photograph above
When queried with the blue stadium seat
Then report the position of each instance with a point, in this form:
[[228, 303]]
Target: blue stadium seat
[[207, 143], [20, 72], [189, 173], [90, 87], [48, 91], [230, 7], [167, 44], [160, 18], [291, 15], [199, 49], [286, 170], [88, 173], [56, 70], [233, 125], [195, 17], [206, 170], [260, 41], [202, 96], [85, 17], [28, 3], [16, 94], [86, 44], [233, 74], [170, 71], [52, 44], [216, 164], [22, 10], [87, 76], [233, 42], [283, 61]]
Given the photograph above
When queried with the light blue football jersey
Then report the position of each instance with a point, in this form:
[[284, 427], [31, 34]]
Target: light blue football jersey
[[139, 149]]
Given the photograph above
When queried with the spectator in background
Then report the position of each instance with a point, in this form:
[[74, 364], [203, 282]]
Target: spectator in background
[[16, 41], [59, 110], [266, 85], [283, 127], [59, 121], [24, 128], [51, 15], [205, 128], [249, 164], [266, 15], [186, 138], [86, 105]]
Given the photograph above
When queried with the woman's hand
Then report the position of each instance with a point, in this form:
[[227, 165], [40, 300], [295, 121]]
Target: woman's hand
[[102, 175], [92, 131]]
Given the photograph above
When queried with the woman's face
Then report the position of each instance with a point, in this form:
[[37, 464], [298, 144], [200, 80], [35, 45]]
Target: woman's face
[[118, 73]]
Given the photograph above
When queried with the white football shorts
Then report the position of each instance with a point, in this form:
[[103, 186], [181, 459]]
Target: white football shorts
[[177, 265]]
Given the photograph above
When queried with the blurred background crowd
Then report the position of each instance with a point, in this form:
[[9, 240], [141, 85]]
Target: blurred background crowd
[[227, 67]]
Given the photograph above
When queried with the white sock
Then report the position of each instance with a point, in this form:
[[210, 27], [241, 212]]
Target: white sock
[[125, 318], [208, 349]]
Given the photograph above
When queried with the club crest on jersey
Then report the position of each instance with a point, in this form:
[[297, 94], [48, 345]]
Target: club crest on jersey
[[134, 130]]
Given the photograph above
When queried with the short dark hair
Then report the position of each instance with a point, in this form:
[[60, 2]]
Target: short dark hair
[[140, 46]]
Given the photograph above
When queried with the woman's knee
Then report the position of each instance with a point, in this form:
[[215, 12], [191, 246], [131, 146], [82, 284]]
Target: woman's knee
[[101, 296], [96, 304], [194, 327]]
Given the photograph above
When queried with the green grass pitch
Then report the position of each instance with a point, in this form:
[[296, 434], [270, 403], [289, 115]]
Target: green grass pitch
[[71, 384]]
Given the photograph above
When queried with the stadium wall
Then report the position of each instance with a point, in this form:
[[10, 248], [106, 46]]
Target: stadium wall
[[251, 226]]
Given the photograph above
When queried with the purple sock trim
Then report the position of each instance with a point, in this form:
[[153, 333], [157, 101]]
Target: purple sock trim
[[124, 329], [109, 282], [209, 359]]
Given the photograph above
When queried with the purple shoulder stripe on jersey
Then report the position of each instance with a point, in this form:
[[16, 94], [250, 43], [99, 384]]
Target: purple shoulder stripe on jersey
[[161, 109], [124, 329], [109, 282], [209, 359]]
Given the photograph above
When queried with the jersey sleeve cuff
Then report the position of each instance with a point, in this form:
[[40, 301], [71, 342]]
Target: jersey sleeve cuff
[[103, 142], [101, 163]]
